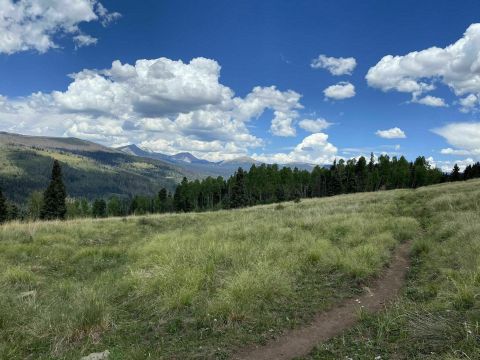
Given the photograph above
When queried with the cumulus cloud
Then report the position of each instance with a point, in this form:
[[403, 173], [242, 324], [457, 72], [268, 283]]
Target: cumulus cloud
[[314, 126], [164, 105], [456, 65], [450, 151], [35, 24], [447, 165], [393, 133], [430, 101], [342, 90], [284, 105], [468, 103], [336, 66], [464, 137], [314, 149]]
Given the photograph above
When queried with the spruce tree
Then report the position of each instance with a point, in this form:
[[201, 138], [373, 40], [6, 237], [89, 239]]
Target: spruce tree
[[455, 175], [162, 200], [3, 208], [99, 208], [239, 192], [54, 206]]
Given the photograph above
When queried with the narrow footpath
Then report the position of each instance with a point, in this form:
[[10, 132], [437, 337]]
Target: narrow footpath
[[326, 325]]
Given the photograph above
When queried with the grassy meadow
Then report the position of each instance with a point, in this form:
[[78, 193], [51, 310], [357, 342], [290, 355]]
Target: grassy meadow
[[192, 285], [201, 285], [438, 314]]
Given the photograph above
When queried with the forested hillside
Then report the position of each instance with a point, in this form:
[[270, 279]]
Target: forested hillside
[[90, 170], [264, 184]]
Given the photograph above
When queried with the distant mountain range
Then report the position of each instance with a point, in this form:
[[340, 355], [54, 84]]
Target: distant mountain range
[[204, 167], [92, 170]]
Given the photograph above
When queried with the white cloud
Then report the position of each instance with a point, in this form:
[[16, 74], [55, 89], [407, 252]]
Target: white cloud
[[342, 90], [336, 66], [465, 137], [162, 104], [82, 40], [450, 151], [393, 133], [314, 149], [446, 166], [457, 66], [468, 103], [430, 101], [35, 24], [314, 126], [284, 104]]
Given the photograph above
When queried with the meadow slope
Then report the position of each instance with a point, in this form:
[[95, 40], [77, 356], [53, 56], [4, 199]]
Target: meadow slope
[[202, 285], [187, 285], [438, 314]]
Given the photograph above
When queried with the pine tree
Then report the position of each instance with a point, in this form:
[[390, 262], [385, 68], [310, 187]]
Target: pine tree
[[3, 208], [54, 206], [239, 193], [99, 208], [455, 175], [162, 200], [361, 172]]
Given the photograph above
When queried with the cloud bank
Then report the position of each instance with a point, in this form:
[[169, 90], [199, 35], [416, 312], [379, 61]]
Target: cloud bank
[[35, 24], [463, 136], [456, 66], [161, 104]]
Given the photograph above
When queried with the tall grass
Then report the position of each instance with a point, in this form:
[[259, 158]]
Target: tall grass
[[438, 316], [187, 285]]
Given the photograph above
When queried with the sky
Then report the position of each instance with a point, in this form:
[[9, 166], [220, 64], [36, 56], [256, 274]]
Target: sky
[[281, 81]]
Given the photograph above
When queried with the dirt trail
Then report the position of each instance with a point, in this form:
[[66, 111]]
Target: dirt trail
[[299, 342]]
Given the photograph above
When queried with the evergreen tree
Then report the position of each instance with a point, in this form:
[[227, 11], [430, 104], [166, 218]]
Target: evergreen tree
[[238, 197], [335, 183], [99, 208], [455, 175], [418, 172], [162, 200], [361, 172], [12, 212], [3, 208], [54, 206]]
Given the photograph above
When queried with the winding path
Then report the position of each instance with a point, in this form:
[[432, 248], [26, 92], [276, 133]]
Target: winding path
[[301, 341]]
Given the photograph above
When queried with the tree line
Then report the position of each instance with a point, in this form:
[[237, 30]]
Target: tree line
[[261, 184]]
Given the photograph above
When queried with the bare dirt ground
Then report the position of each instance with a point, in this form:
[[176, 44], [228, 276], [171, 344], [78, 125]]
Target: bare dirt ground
[[299, 342]]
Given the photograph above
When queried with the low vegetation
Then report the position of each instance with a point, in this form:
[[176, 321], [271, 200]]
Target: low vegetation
[[438, 315], [187, 285], [200, 285]]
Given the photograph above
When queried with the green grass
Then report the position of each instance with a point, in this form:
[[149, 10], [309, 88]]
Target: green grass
[[189, 285], [438, 314]]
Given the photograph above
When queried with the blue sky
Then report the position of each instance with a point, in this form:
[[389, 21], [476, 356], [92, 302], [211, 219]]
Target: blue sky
[[252, 85]]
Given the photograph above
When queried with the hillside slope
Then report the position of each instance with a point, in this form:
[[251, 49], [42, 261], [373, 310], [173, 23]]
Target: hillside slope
[[90, 170], [202, 285], [194, 285]]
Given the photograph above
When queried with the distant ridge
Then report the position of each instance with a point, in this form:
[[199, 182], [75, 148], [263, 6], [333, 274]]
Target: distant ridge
[[204, 167], [90, 170], [46, 142]]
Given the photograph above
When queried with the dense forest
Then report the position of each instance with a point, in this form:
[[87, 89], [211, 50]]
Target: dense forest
[[262, 184]]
